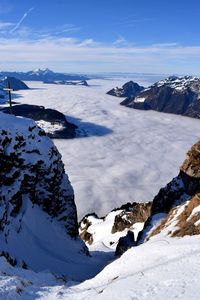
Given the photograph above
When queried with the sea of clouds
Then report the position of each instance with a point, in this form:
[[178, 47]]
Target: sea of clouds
[[128, 154]]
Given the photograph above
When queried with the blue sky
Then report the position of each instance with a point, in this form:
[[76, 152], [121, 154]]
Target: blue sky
[[101, 35]]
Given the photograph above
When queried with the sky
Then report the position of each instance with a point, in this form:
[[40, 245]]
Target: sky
[[94, 36]]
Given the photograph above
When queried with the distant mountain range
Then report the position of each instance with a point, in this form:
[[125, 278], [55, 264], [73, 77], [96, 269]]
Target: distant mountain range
[[177, 95], [43, 75]]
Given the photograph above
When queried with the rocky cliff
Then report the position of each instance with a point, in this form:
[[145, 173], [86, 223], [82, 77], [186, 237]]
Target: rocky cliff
[[175, 210], [129, 89], [105, 232], [177, 95], [38, 219]]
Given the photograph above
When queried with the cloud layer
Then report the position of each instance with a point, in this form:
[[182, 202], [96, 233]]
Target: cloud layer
[[88, 55], [128, 155]]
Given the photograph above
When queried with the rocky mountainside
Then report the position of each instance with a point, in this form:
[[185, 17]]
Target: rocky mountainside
[[15, 83], [38, 219], [104, 233], [177, 95], [53, 122], [129, 89], [43, 75], [175, 211]]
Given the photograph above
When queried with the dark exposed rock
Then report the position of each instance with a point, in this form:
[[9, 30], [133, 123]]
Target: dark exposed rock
[[84, 224], [131, 214], [184, 187], [125, 243], [40, 182], [129, 89], [120, 221], [36, 199], [84, 234], [177, 95], [15, 83], [52, 116], [12, 261]]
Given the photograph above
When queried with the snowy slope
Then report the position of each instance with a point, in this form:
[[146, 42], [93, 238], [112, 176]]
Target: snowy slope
[[162, 269]]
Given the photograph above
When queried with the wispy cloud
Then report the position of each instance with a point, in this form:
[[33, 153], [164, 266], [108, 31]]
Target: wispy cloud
[[5, 25], [121, 41], [21, 20], [88, 55]]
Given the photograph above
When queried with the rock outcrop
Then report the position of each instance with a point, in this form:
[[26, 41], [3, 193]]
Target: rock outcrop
[[177, 95], [125, 242], [106, 231], [38, 219], [53, 122], [15, 83], [176, 209], [131, 213], [129, 89]]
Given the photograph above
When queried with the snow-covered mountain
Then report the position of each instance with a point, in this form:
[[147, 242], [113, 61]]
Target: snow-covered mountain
[[43, 75], [104, 233], [38, 218], [129, 89], [165, 264], [178, 95], [175, 210]]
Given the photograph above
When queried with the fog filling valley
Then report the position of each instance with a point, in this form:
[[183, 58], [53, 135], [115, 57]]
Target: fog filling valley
[[128, 154]]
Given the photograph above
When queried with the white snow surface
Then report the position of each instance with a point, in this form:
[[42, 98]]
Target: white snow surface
[[180, 83], [101, 230], [128, 154], [139, 99], [48, 127], [163, 268]]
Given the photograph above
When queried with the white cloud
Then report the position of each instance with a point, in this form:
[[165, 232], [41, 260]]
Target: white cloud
[[21, 20], [5, 25], [88, 55], [121, 41]]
